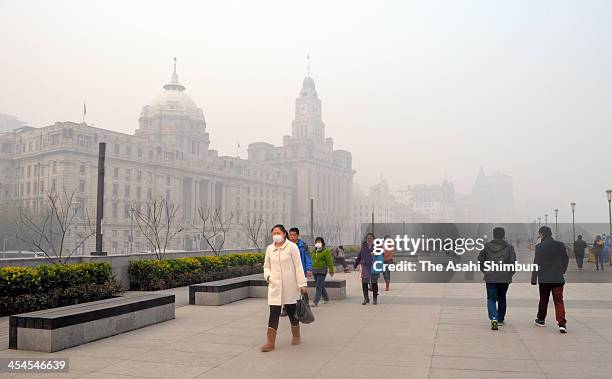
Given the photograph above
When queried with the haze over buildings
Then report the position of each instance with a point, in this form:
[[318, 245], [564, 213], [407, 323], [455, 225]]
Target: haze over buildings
[[417, 91]]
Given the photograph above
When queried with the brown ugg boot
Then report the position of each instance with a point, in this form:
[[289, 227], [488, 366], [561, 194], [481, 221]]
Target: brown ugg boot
[[270, 340], [295, 335]]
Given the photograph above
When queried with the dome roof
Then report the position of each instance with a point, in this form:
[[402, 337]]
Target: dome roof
[[173, 97]]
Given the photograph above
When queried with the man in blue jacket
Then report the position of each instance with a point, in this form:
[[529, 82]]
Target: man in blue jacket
[[294, 236]]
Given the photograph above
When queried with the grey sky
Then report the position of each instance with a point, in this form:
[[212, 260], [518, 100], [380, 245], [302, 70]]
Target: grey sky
[[417, 91]]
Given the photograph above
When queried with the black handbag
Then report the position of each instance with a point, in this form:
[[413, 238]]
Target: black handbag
[[302, 310]]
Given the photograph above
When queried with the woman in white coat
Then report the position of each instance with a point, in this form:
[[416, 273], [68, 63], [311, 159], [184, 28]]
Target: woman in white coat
[[286, 281]]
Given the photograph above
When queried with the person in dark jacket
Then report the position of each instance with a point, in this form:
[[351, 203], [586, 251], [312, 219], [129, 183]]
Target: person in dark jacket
[[598, 249], [497, 282], [580, 246], [364, 258], [551, 260]]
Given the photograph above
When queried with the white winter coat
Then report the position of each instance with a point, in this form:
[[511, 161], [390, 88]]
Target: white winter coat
[[284, 273]]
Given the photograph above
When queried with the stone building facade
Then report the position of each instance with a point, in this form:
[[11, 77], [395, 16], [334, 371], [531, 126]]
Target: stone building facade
[[169, 157], [317, 171]]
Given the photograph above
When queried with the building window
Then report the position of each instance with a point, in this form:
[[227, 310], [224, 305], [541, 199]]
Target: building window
[[139, 175], [82, 168], [115, 189], [127, 191], [128, 150], [115, 210], [128, 174], [53, 167], [149, 193], [117, 147], [82, 186], [126, 210], [116, 172], [168, 180], [139, 153], [138, 192]]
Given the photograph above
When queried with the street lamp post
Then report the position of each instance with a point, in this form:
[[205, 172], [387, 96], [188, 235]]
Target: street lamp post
[[573, 205], [539, 222], [609, 194], [546, 219], [556, 224]]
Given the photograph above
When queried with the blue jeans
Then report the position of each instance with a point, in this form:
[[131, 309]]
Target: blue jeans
[[320, 288], [496, 300]]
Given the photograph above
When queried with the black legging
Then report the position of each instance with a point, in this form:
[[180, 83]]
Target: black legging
[[275, 311], [364, 288]]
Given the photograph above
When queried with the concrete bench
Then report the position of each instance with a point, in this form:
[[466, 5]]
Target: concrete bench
[[225, 291], [60, 328]]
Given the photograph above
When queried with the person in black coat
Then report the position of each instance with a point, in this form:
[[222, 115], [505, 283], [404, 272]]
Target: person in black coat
[[580, 246], [552, 260]]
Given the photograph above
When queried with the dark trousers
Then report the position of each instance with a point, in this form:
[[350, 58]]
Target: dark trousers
[[364, 288], [496, 300], [599, 260], [387, 274], [275, 311], [320, 288], [579, 260], [557, 293]]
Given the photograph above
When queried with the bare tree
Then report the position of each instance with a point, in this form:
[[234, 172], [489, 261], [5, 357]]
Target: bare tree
[[213, 227], [156, 220], [48, 233], [253, 227]]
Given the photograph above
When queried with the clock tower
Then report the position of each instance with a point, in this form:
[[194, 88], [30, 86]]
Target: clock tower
[[307, 123]]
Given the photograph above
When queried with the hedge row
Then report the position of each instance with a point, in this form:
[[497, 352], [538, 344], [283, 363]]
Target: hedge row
[[27, 289], [154, 274]]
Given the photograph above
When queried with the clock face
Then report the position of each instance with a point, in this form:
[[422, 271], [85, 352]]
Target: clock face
[[303, 108]]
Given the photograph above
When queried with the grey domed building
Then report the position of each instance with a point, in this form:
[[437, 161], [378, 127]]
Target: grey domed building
[[169, 156]]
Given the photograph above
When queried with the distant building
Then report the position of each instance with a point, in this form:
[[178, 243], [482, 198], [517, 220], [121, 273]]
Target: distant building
[[169, 156], [317, 171], [491, 199], [382, 204], [429, 202], [8, 123]]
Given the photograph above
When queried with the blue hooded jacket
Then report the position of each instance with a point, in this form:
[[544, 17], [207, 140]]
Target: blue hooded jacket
[[306, 260]]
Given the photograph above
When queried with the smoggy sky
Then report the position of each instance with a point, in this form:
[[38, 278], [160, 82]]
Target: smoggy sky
[[418, 91]]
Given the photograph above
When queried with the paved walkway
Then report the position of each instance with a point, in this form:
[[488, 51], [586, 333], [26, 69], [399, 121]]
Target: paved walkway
[[417, 331]]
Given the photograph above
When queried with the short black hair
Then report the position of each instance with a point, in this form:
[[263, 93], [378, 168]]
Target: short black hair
[[294, 229], [545, 232], [320, 239], [579, 236], [499, 233]]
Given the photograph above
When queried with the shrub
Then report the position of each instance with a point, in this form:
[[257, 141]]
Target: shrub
[[27, 289], [153, 274]]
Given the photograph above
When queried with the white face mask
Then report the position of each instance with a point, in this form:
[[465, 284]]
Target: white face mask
[[277, 238], [319, 245]]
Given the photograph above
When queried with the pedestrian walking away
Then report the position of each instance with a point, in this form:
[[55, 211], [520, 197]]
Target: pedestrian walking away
[[497, 282], [580, 246], [599, 250], [321, 263], [551, 260], [284, 274]]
